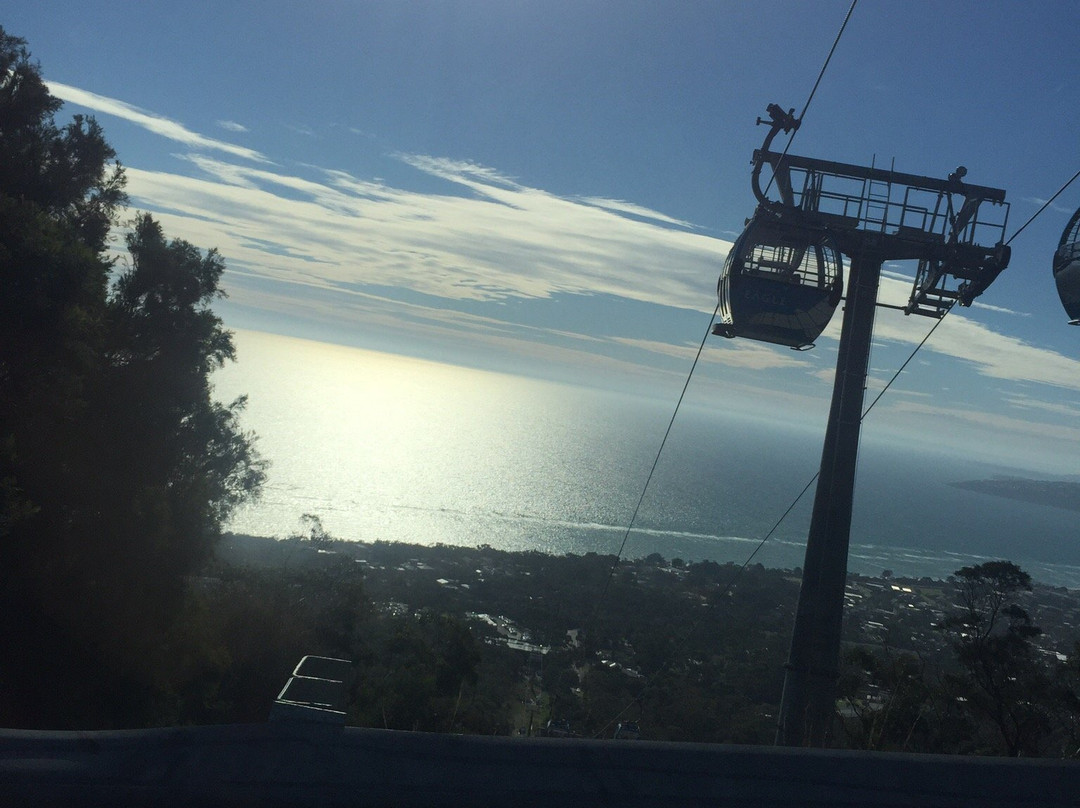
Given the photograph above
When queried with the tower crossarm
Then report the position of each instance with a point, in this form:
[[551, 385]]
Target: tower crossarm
[[907, 209], [955, 230]]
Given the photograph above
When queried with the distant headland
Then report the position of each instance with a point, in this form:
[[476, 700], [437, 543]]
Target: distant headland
[[1055, 493]]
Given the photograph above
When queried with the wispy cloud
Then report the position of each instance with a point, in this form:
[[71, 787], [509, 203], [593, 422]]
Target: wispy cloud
[[999, 309], [1039, 201], [619, 206], [739, 354], [1027, 403], [991, 423], [488, 239], [232, 126], [988, 352], [301, 129], [150, 121], [898, 275]]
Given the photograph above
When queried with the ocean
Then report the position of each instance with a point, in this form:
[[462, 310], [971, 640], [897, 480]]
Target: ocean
[[386, 447]]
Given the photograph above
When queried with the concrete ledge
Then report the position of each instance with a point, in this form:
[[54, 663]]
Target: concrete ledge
[[285, 764]]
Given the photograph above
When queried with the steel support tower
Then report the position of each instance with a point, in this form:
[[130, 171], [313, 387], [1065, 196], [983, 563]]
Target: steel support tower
[[874, 215]]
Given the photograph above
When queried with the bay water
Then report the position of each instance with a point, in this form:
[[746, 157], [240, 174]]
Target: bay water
[[387, 447]]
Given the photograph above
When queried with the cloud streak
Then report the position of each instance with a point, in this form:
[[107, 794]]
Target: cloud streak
[[150, 121], [990, 353], [990, 423], [486, 239], [489, 239]]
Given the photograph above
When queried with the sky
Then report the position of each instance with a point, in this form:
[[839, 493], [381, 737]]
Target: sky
[[550, 188]]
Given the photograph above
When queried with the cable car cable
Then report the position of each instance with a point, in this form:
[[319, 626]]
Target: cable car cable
[[693, 626], [652, 679], [734, 578], [900, 370], [821, 73], [1044, 207], [907, 361], [667, 432], [813, 91], [652, 470], [727, 587], [693, 366], [911, 356]]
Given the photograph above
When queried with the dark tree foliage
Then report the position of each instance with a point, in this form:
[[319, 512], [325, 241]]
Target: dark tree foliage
[[58, 195], [117, 468], [181, 451], [1003, 679], [65, 172], [1066, 689], [897, 715]]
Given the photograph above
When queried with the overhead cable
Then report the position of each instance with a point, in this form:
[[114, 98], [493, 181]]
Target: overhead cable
[[1046, 204], [652, 469], [813, 90]]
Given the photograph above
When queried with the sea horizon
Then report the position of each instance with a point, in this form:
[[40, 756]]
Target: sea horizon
[[392, 448]]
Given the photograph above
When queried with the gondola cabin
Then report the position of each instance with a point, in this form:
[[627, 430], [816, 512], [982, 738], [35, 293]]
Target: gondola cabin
[[1067, 269], [781, 283]]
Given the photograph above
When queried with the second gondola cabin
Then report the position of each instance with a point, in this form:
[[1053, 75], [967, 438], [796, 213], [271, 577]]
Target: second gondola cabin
[[781, 283], [1067, 269]]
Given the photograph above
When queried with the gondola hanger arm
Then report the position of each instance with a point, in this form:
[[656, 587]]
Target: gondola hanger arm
[[779, 121]]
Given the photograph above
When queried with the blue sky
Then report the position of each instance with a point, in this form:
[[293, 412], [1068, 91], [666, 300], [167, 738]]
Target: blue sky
[[551, 187]]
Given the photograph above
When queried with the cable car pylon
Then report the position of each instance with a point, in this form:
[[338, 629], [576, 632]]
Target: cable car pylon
[[777, 285]]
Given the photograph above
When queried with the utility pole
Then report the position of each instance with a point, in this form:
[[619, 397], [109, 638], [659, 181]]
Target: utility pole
[[873, 215]]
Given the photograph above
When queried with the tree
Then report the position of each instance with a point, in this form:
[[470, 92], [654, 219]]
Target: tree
[[1003, 680], [59, 190], [176, 442], [312, 530], [886, 698], [66, 172], [117, 468], [1067, 696]]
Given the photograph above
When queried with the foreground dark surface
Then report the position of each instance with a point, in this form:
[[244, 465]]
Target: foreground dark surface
[[303, 764]]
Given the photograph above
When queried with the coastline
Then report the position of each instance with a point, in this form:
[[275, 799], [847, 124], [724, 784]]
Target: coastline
[[782, 553]]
